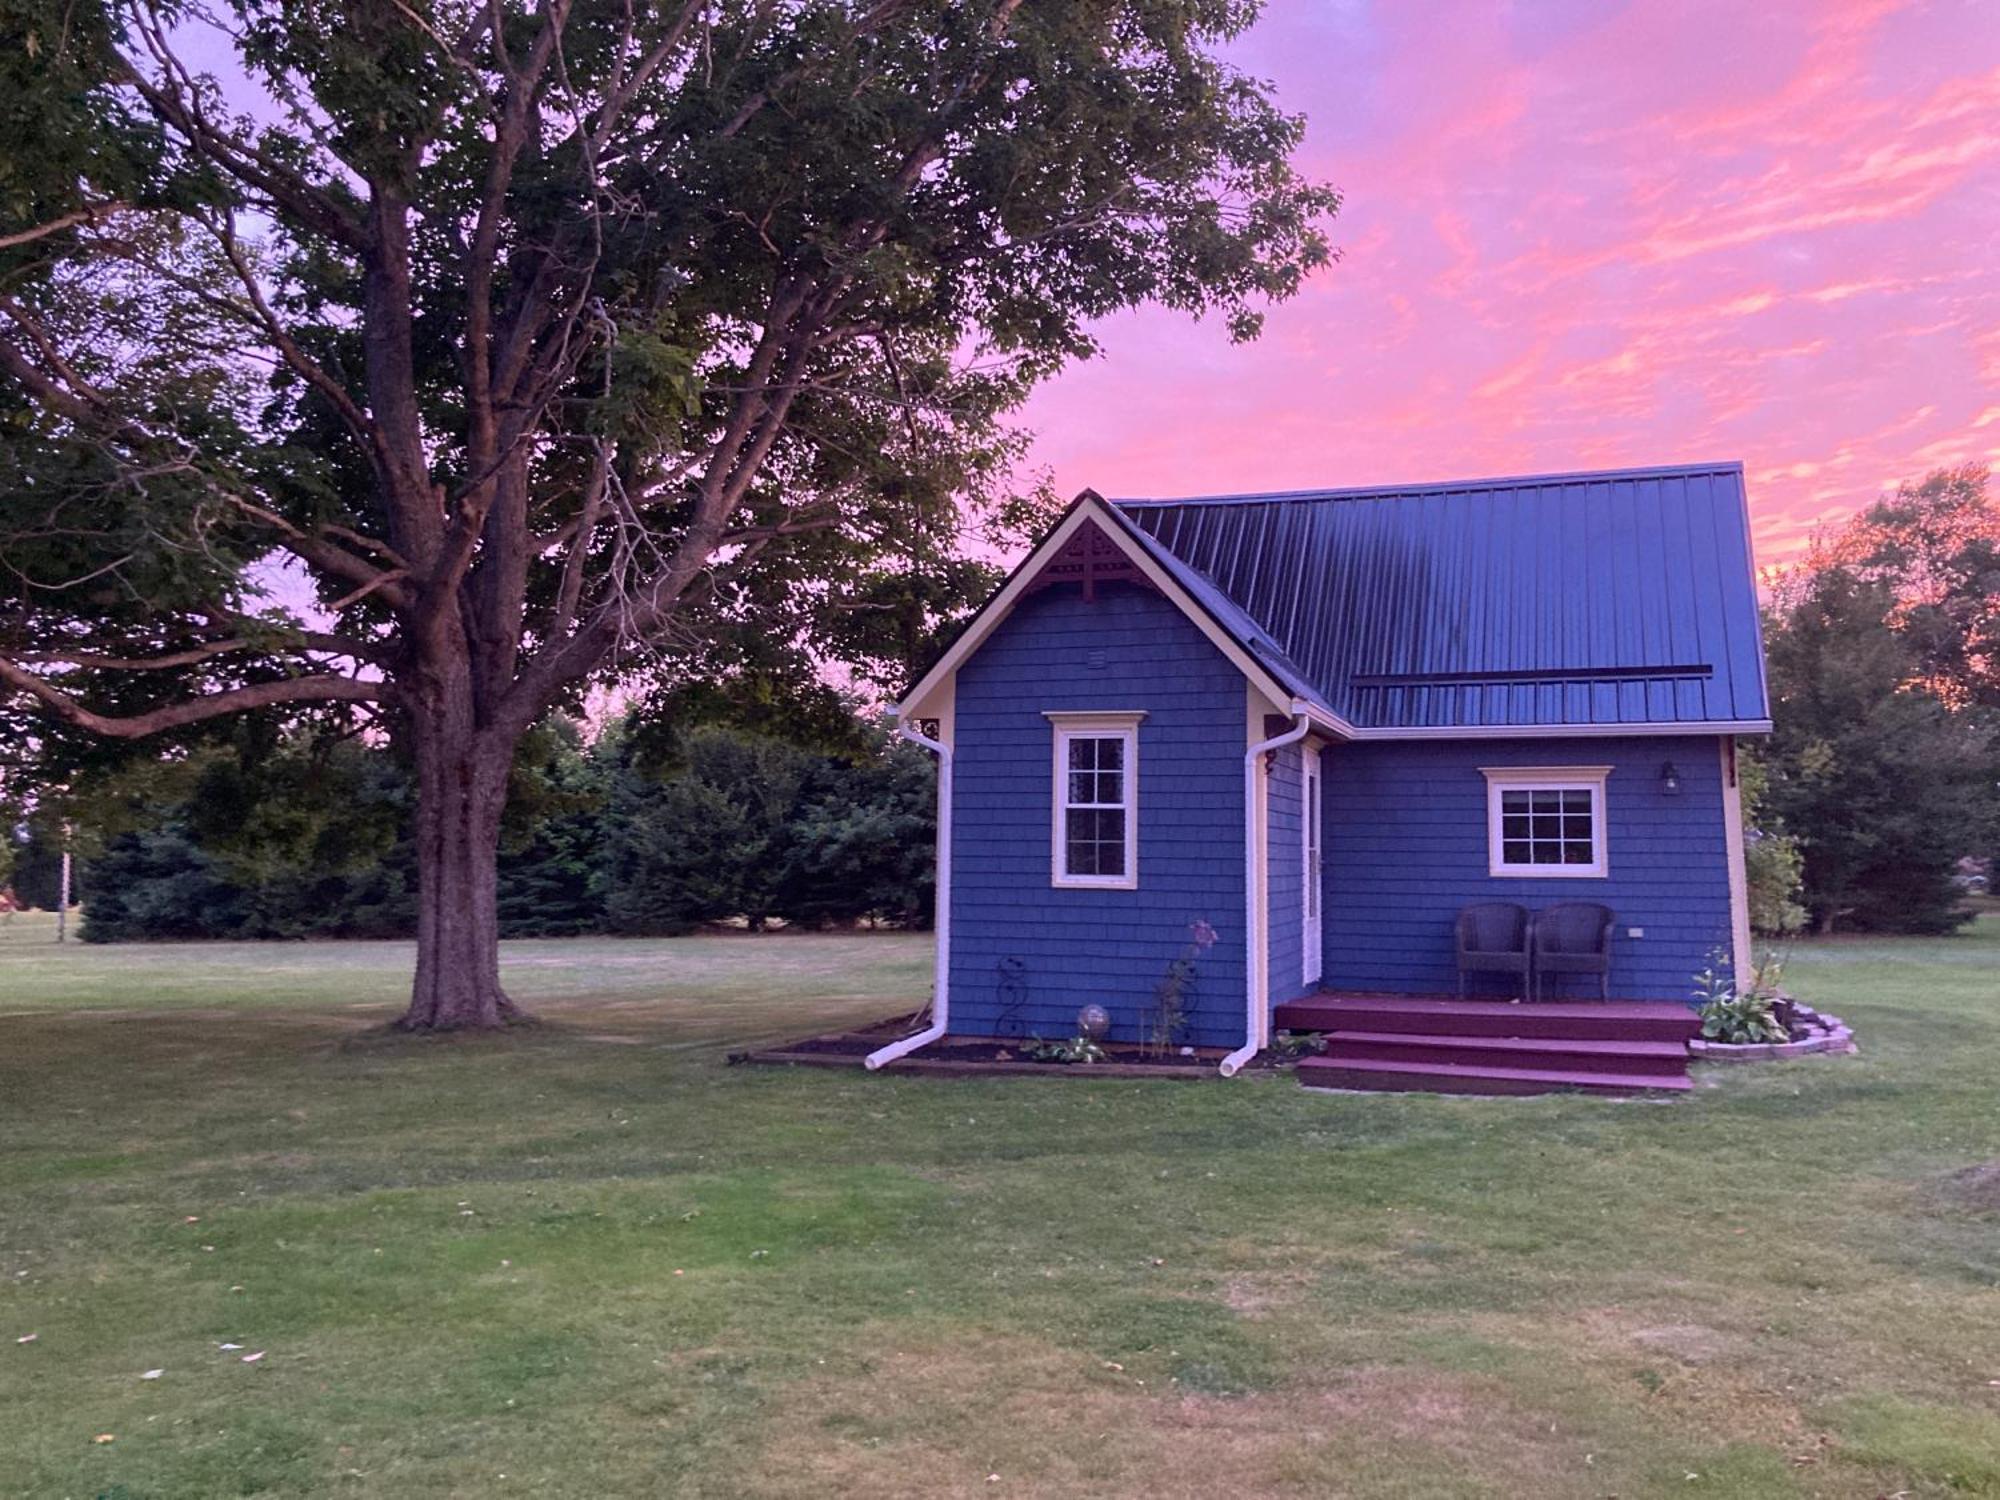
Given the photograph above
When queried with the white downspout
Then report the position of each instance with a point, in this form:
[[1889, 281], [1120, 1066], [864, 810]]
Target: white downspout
[[1253, 854], [941, 925]]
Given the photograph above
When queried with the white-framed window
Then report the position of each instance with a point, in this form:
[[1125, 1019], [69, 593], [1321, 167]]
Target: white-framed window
[[1546, 821], [1095, 830]]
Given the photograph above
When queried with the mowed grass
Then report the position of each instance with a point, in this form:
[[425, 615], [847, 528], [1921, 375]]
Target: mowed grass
[[591, 1259]]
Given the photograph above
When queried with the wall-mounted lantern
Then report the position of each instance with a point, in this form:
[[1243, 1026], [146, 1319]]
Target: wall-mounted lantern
[[1670, 779]]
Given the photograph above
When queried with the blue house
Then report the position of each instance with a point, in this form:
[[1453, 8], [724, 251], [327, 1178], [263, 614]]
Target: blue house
[[1289, 737]]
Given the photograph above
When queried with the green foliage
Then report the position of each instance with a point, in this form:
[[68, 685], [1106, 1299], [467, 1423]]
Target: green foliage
[[748, 826], [670, 349], [269, 838], [1773, 860], [35, 849], [1775, 865], [159, 885], [862, 841], [1935, 545], [1884, 765], [1074, 1049], [1734, 1011], [706, 844], [1884, 785], [927, 207], [1173, 995], [297, 839], [549, 858], [1292, 1045], [1741, 1019]]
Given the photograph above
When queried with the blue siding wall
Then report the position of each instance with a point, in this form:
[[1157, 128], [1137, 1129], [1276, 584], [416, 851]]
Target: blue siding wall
[[1406, 848], [1024, 954], [1284, 804]]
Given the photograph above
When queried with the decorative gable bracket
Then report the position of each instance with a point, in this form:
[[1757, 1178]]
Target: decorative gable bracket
[[1089, 558]]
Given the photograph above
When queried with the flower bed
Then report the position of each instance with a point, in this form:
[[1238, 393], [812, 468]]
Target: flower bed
[[1810, 1032], [971, 1055]]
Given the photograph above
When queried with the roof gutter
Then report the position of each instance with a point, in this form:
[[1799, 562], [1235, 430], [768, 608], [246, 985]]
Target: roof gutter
[[941, 925], [1253, 855], [1689, 728]]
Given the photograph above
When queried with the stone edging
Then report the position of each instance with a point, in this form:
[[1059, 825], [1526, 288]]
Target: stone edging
[[1834, 1036]]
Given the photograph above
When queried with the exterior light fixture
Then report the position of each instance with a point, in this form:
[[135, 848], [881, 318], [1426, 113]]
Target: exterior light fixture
[[1670, 779]]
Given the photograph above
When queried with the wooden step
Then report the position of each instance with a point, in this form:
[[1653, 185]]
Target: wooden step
[[1454, 1078], [1567, 1020], [1645, 1059]]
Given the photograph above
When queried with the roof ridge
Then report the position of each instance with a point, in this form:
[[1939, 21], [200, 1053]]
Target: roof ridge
[[1442, 486]]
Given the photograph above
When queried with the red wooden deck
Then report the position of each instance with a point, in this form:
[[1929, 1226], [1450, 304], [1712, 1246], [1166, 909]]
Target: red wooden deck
[[1404, 1043]]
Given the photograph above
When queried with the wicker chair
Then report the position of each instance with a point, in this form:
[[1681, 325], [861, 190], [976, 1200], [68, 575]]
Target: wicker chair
[[1573, 938], [1494, 937]]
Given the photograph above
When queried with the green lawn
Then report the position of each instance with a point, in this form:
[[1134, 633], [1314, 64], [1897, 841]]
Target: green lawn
[[589, 1259]]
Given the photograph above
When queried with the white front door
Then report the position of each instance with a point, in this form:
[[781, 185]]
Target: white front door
[[1311, 893]]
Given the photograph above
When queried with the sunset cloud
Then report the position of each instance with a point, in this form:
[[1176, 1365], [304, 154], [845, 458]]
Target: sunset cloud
[[1583, 235]]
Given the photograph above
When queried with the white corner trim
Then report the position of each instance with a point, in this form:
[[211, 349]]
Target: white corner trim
[[1312, 864], [1549, 778], [1066, 725], [1742, 956]]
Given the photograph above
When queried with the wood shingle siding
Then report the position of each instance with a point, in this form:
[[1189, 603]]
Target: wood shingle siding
[[1406, 847], [1026, 954], [1283, 883]]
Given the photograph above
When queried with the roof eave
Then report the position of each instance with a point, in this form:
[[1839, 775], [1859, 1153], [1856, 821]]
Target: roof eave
[[1650, 728]]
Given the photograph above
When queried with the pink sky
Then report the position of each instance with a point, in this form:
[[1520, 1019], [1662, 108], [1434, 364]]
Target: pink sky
[[1580, 234]]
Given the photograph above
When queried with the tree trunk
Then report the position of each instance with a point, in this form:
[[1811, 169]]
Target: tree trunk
[[461, 792]]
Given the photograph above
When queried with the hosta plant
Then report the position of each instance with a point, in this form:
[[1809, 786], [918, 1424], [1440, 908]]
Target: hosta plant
[[1731, 1017], [1075, 1049]]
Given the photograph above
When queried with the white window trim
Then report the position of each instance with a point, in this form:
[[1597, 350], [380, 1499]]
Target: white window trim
[[1549, 779], [1095, 724]]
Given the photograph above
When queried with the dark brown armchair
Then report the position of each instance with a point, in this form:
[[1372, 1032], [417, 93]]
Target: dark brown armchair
[[1573, 938], [1494, 937]]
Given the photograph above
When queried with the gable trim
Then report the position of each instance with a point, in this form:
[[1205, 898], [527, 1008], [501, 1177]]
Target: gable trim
[[1092, 508]]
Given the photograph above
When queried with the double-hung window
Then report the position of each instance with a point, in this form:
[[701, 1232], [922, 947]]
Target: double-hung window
[[1095, 836], [1546, 821]]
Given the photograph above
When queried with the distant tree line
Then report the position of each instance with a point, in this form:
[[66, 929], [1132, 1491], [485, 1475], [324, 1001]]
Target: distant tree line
[[625, 834]]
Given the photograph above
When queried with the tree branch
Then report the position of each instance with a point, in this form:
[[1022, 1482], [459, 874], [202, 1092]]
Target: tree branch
[[301, 364], [193, 711], [282, 638], [177, 104], [69, 393], [57, 225]]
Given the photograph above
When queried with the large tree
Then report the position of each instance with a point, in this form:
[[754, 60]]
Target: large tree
[[550, 343], [1885, 785], [1934, 544]]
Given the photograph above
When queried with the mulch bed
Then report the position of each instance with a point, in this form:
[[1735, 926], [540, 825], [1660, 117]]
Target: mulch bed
[[963, 1056]]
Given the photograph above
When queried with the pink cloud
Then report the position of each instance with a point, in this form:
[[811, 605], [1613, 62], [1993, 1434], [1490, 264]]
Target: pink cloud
[[1577, 237]]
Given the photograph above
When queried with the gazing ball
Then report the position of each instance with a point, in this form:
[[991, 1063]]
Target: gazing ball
[[1093, 1021]]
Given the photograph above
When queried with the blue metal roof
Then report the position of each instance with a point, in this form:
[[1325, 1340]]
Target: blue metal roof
[[1232, 617], [1598, 599]]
